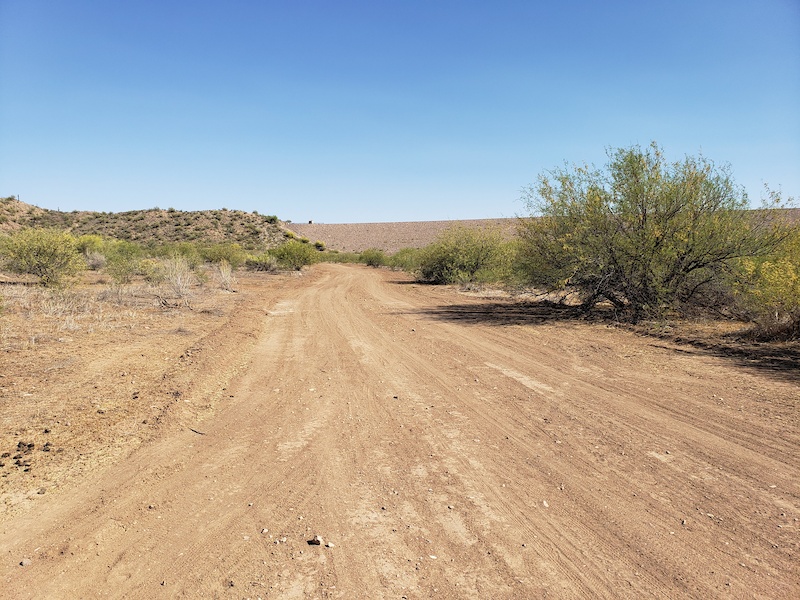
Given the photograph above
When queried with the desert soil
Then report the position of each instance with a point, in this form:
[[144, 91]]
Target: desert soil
[[438, 449]]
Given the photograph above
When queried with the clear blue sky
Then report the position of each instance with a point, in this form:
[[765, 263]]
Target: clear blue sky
[[382, 110]]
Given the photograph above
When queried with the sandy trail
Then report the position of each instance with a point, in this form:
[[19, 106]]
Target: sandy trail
[[440, 457]]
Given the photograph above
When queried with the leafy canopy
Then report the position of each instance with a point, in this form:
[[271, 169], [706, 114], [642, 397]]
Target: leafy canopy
[[644, 234], [49, 254]]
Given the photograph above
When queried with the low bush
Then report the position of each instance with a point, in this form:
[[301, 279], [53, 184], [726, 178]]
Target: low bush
[[179, 276], [189, 251], [233, 254], [123, 260], [89, 243], [407, 259], [262, 262], [48, 254], [465, 255], [771, 292], [95, 261], [373, 257], [294, 255]]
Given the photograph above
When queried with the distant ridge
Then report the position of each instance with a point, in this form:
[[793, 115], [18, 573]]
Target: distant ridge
[[390, 237]]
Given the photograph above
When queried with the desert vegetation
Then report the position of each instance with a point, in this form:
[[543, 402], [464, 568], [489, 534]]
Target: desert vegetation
[[647, 238], [642, 237]]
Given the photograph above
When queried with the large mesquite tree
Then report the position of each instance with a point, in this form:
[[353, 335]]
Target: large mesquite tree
[[644, 234]]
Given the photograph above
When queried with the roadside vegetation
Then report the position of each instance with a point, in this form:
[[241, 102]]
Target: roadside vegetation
[[642, 237], [656, 240]]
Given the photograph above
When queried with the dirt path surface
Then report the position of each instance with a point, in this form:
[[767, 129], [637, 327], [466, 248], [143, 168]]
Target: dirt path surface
[[436, 456]]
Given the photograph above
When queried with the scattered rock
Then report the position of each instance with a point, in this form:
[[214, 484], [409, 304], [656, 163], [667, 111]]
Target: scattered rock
[[329, 545], [25, 562], [315, 541], [545, 504]]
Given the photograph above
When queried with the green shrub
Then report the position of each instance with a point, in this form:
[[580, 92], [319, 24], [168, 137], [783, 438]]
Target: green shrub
[[49, 254], [89, 243], [262, 262], [123, 260], [271, 219], [233, 254], [189, 251], [643, 234], [771, 290], [319, 245], [294, 255], [407, 259], [152, 270], [373, 257], [466, 255]]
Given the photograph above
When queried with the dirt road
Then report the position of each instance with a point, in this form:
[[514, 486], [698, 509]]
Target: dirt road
[[439, 451]]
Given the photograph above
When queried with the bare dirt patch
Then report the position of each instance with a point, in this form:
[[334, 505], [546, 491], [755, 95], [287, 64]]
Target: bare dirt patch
[[440, 444]]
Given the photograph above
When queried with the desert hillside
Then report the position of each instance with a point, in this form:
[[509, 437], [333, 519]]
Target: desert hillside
[[249, 229], [150, 226]]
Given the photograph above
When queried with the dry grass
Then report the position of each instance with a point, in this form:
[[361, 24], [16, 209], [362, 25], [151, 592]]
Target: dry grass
[[32, 315], [223, 273]]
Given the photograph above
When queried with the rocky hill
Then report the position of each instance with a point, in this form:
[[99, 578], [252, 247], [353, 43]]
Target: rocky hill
[[153, 225]]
